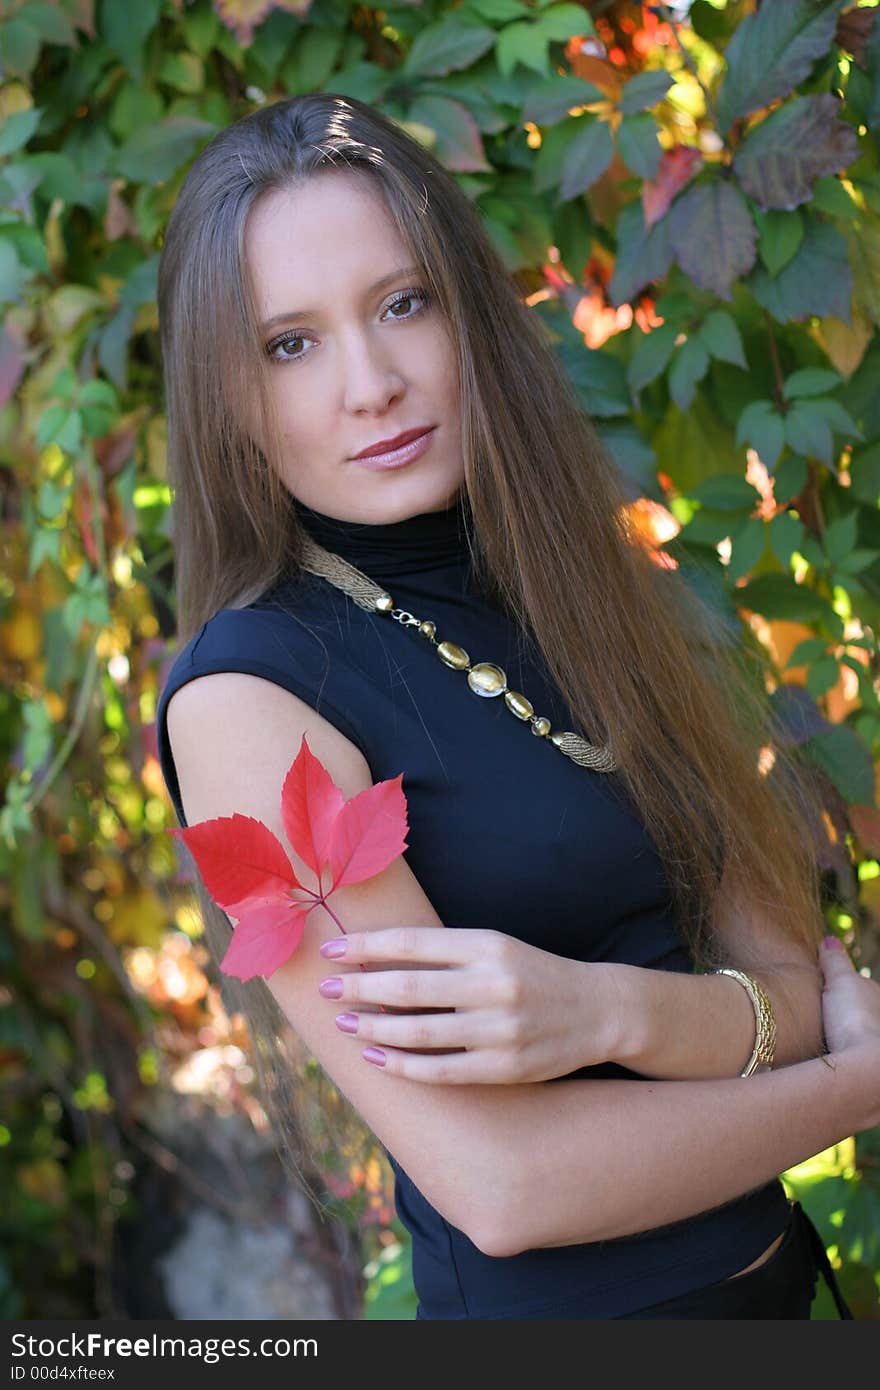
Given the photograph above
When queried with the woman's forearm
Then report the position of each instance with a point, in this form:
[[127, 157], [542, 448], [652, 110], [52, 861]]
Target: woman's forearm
[[681, 1027], [588, 1160]]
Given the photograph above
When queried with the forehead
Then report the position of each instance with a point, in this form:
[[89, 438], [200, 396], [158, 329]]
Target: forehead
[[334, 230]]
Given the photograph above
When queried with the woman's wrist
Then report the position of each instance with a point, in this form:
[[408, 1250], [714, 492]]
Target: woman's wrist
[[858, 1067], [679, 1026]]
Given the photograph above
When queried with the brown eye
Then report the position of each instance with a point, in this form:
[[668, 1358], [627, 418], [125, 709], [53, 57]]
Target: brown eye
[[283, 342]]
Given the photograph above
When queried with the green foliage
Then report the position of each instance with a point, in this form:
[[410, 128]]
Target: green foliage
[[719, 192]]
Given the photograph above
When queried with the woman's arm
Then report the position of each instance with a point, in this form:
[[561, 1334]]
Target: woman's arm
[[804, 1107], [504, 1011], [682, 1027], [509, 1165]]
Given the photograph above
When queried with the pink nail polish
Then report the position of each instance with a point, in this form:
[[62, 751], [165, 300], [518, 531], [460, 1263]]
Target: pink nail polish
[[372, 1054], [333, 949], [832, 943], [347, 1023], [331, 989]]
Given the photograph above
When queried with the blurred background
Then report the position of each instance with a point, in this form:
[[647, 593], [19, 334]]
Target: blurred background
[[689, 196]]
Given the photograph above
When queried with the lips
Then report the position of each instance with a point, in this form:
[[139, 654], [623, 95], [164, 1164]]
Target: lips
[[385, 446]]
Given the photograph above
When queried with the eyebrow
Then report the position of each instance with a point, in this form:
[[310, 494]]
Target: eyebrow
[[377, 285]]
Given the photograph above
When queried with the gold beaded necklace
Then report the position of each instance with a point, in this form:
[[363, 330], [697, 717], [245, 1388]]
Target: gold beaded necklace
[[485, 678]]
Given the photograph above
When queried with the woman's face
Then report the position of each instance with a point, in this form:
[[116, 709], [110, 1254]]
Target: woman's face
[[354, 361]]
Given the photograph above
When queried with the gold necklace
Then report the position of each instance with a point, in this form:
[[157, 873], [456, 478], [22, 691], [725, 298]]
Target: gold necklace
[[485, 678]]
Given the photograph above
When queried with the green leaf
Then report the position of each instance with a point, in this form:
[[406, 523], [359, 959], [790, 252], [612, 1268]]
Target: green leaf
[[310, 65], [639, 146], [58, 178], [721, 337], [779, 236], [587, 157], [822, 675], [521, 43], [643, 256], [863, 243], [808, 432], [864, 472], [446, 47], [653, 351], [839, 419], [644, 90], [45, 545], [561, 22], [772, 51], [858, 560], [18, 128], [599, 378], [811, 649], [183, 71], [125, 29], [708, 527], [713, 235], [829, 195], [746, 548], [38, 733], [153, 154], [632, 454], [59, 425], [50, 22], [781, 159], [551, 101], [13, 275], [761, 426], [727, 492], [840, 536], [847, 761], [201, 29], [790, 477], [98, 392], [786, 534], [689, 366], [66, 308], [498, 11], [778, 596], [810, 381], [19, 48], [52, 499], [817, 280]]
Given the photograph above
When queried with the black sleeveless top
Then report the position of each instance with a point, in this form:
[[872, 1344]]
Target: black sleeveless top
[[505, 833]]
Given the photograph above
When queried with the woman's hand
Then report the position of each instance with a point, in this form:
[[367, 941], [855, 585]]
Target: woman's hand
[[850, 1002], [493, 1007]]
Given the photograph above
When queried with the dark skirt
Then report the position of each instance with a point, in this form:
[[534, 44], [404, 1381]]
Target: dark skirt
[[782, 1287]]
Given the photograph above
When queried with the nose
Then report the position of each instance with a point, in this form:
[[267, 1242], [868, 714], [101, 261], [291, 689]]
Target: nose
[[371, 374]]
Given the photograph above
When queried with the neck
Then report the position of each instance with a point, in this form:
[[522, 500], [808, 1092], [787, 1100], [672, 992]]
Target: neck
[[421, 542]]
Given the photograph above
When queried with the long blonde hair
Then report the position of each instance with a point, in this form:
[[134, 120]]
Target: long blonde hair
[[636, 655]]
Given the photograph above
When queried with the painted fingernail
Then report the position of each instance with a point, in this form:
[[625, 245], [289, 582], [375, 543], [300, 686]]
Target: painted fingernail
[[333, 949], [831, 943], [372, 1054], [331, 989], [347, 1022]]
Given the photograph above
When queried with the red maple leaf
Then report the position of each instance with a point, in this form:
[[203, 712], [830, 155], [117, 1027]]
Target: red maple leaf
[[677, 167], [246, 870]]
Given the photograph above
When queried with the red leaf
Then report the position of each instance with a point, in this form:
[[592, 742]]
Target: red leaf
[[369, 832], [238, 858], [265, 938], [677, 166], [246, 870], [310, 804]]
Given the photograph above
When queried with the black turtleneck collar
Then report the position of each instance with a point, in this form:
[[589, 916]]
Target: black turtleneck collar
[[423, 542]]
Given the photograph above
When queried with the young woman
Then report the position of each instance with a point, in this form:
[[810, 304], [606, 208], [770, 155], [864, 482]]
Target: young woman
[[538, 1039]]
